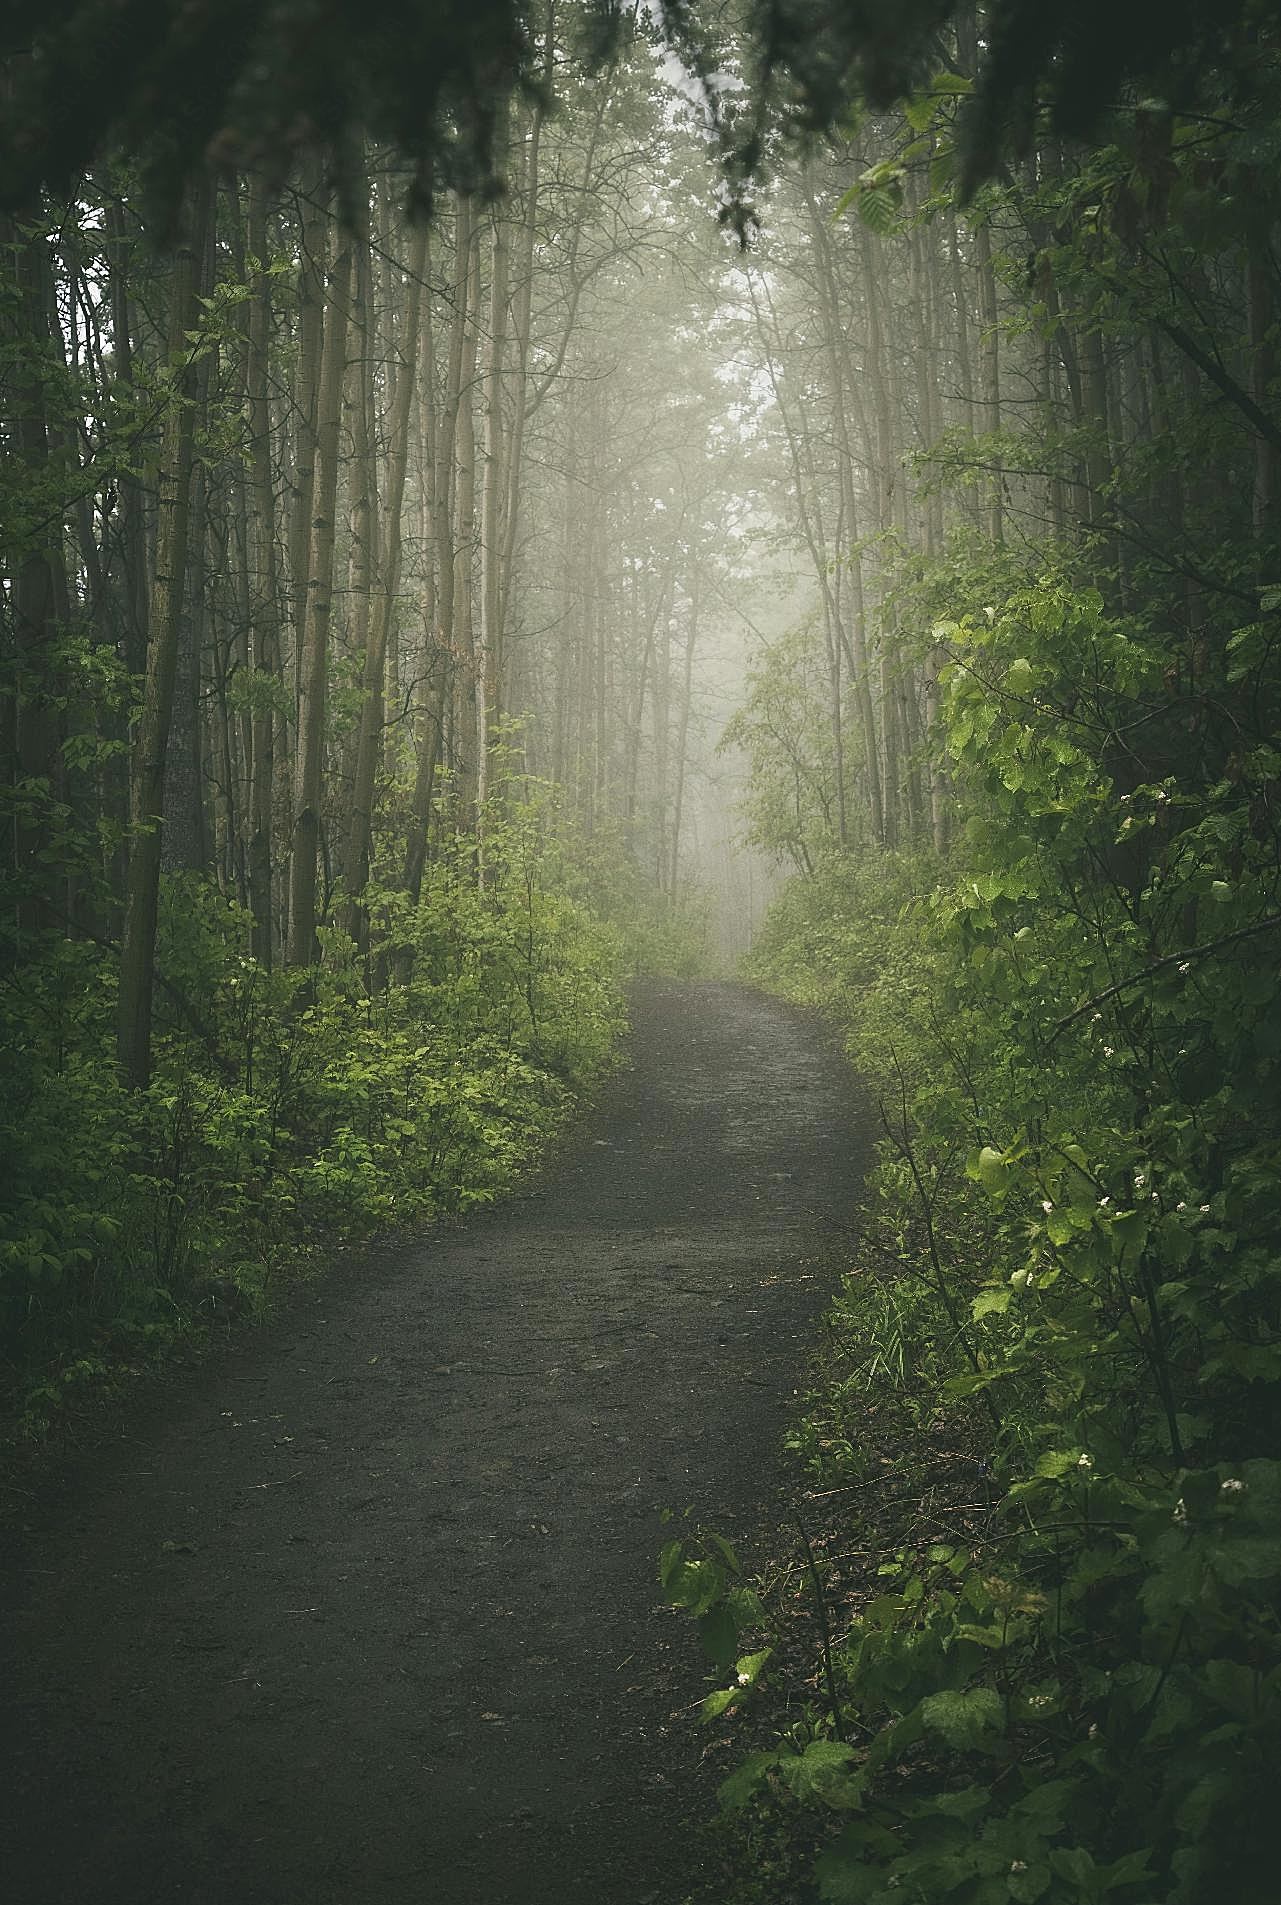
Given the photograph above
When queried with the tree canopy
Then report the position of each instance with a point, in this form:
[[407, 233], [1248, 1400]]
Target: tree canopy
[[252, 81]]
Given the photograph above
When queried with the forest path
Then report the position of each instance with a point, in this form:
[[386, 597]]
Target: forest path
[[366, 1613]]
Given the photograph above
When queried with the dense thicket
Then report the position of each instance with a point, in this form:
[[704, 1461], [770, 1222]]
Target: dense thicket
[[1022, 751]]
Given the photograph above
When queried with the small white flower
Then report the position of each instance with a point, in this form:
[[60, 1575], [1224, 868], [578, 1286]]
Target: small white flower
[[1093, 1733], [1084, 1462], [1018, 1865], [1153, 1197], [1140, 1181], [1180, 1206], [1046, 1205], [1161, 794], [1232, 1486], [1180, 1510], [1104, 1202], [1185, 965], [1109, 1051], [1095, 1017], [744, 1680], [1204, 1209]]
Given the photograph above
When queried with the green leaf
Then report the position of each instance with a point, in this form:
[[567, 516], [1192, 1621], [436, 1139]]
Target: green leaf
[[748, 1666], [1057, 1462], [992, 1302], [738, 1789], [824, 1771], [967, 1721], [718, 1702], [1059, 1228], [990, 1169]]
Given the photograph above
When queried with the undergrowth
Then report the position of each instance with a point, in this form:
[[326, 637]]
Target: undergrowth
[[1042, 1555], [292, 1109]]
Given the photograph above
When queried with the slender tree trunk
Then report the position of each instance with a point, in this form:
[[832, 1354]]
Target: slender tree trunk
[[182, 840], [308, 777], [311, 320], [991, 354], [466, 686], [682, 738], [264, 628], [1260, 301], [138, 940], [360, 826], [489, 647]]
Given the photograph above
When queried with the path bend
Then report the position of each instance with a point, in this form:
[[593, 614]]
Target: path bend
[[364, 1613]]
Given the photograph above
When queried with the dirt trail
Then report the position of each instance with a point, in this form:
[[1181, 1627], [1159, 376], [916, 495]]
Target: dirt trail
[[366, 1611]]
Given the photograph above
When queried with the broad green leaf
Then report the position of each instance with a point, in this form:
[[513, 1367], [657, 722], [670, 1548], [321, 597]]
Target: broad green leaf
[[967, 1721]]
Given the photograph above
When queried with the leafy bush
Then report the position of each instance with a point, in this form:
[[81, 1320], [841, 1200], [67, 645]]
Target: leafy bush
[[1070, 1274], [285, 1107]]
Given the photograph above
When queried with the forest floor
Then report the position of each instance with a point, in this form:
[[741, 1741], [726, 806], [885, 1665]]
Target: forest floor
[[365, 1608]]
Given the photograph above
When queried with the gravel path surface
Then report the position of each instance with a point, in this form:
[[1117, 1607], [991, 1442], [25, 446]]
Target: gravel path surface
[[365, 1609]]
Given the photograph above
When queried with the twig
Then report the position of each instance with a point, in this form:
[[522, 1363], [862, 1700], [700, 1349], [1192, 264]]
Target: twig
[[1272, 921], [825, 1635]]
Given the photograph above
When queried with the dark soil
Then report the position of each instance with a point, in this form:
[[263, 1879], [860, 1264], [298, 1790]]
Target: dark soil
[[366, 1610]]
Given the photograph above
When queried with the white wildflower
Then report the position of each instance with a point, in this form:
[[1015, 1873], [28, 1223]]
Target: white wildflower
[[1140, 1181], [1018, 1865], [1084, 1462], [1104, 1202], [1109, 1051], [1185, 965], [1204, 1209], [1180, 1205], [744, 1680], [1180, 1510], [1093, 1733], [1232, 1486], [1046, 1205]]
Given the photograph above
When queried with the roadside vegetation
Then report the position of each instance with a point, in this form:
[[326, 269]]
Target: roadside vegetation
[[1025, 1642], [288, 1112]]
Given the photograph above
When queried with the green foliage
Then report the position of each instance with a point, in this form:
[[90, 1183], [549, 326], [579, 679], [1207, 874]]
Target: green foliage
[[1074, 1028], [285, 1107]]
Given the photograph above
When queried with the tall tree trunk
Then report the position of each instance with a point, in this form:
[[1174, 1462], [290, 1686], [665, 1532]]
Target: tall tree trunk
[[991, 353], [489, 647], [1260, 301], [682, 737], [308, 776], [356, 849], [443, 499], [466, 687], [40, 593], [264, 628], [182, 840], [311, 321], [138, 939]]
